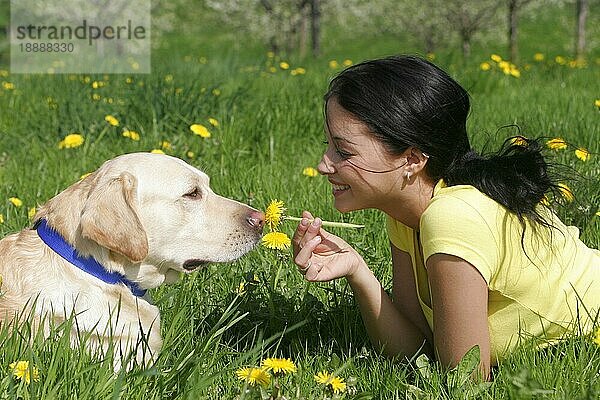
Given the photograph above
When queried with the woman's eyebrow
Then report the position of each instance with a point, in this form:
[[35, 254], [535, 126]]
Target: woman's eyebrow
[[339, 138]]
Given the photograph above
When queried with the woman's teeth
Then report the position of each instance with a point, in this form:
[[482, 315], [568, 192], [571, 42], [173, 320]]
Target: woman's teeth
[[340, 187]]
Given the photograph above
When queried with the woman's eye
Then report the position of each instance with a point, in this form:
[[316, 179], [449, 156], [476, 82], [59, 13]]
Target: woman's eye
[[343, 154], [194, 194]]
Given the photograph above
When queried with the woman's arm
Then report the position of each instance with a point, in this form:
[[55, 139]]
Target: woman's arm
[[460, 310], [399, 326], [326, 257]]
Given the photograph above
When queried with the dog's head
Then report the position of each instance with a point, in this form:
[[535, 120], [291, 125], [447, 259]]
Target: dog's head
[[155, 209]]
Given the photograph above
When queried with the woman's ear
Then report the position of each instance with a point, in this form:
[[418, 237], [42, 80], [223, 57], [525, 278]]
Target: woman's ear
[[110, 218], [416, 160]]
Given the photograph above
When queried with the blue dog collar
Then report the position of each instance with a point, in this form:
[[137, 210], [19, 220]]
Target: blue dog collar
[[89, 265]]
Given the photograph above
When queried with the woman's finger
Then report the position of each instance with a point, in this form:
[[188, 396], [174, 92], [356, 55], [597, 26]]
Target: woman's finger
[[304, 255], [302, 227], [312, 274], [311, 232]]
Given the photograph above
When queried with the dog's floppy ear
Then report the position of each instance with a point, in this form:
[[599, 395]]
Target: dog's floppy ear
[[110, 219]]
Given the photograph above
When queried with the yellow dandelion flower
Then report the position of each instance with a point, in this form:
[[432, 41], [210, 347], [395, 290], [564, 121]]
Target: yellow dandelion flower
[[333, 64], [15, 201], [298, 71], [216, 92], [538, 57], [323, 377], [96, 97], [200, 130], [1, 219], [515, 72], [430, 56], [168, 78], [566, 192], [597, 335], [70, 141], [213, 122], [157, 151], [241, 289], [31, 212], [284, 65], [347, 62], [545, 201], [582, 154], [519, 141], [310, 171], [496, 58], [190, 154], [597, 103], [556, 144], [276, 241], [165, 145], [8, 85], [111, 120], [253, 376], [20, 370], [560, 60], [336, 383], [279, 365], [133, 135], [274, 214], [485, 66]]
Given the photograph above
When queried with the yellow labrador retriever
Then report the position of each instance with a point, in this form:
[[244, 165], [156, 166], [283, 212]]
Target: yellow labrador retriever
[[137, 222]]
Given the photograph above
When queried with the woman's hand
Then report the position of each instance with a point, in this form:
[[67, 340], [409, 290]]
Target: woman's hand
[[320, 255]]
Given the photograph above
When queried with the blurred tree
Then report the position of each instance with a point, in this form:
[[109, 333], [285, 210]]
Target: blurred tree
[[582, 12], [423, 20], [469, 17], [514, 7], [281, 24]]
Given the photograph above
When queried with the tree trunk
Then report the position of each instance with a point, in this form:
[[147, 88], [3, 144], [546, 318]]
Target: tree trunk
[[513, 46], [303, 30], [466, 45], [315, 17], [582, 11]]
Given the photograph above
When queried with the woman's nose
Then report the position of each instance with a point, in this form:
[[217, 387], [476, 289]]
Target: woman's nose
[[325, 165]]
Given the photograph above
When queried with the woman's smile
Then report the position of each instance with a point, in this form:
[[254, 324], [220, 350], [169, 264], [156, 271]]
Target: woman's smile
[[338, 188]]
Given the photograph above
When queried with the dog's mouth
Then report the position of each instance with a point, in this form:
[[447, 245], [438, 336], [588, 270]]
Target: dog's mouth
[[194, 264]]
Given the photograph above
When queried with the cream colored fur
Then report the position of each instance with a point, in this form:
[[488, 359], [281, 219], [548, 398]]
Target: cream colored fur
[[138, 215]]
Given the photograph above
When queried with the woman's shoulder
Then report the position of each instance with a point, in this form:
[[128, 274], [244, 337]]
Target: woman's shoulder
[[460, 200]]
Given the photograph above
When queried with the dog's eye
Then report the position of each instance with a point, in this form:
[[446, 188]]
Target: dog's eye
[[194, 194]]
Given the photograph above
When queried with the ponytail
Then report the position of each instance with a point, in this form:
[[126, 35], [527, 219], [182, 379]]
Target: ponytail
[[517, 176]]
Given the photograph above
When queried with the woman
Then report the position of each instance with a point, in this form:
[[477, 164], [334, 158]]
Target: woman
[[477, 259]]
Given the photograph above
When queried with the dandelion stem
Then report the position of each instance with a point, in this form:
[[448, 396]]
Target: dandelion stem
[[328, 223]]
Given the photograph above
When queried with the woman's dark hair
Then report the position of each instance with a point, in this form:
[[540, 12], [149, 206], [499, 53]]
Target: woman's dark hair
[[407, 101]]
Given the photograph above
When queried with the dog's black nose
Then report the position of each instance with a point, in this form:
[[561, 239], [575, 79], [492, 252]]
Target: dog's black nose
[[256, 219]]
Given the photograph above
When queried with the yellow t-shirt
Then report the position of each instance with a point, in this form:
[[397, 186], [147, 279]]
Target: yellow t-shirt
[[548, 291]]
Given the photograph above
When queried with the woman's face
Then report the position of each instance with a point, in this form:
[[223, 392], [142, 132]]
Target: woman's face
[[351, 149]]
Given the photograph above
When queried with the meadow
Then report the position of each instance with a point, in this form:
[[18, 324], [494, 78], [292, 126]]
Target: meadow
[[264, 115]]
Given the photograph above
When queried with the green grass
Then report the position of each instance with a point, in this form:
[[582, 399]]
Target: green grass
[[270, 129]]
